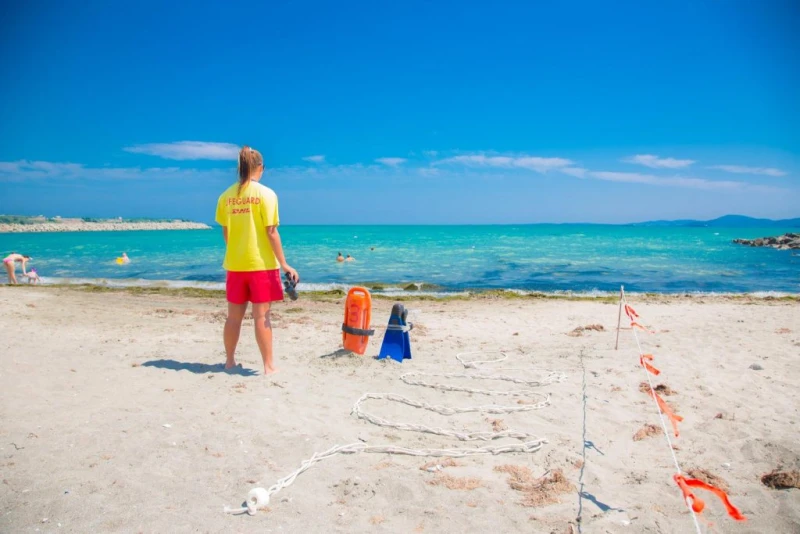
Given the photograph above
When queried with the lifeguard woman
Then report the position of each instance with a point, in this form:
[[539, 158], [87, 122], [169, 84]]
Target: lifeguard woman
[[248, 214]]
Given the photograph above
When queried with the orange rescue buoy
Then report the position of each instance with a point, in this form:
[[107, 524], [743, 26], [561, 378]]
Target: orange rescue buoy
[[357, 314]]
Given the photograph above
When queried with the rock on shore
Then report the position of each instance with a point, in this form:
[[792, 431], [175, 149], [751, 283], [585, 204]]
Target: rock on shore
[[100, 226], [781, 242]]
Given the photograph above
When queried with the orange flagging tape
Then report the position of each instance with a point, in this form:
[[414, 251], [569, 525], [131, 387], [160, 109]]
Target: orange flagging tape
[[637, 325], [631, 313], [646, 365], [685, 484], [673, 417], [697, 504]]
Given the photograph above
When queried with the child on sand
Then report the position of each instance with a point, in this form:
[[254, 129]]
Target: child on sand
[[248, 214], [33, 276]]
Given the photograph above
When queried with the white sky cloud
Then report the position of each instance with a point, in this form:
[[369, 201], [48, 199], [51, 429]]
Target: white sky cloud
[[655, 162], [674, 181], [577, 172], [319, 158], [565, 166], [477, 166], [188, 150], [20, 171], [533, 163], [391, 162], [740, 169]]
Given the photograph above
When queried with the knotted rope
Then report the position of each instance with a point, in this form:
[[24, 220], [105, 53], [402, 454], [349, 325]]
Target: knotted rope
[[259, 498]]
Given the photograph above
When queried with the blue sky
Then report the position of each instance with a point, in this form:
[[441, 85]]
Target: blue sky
[[404, 112]]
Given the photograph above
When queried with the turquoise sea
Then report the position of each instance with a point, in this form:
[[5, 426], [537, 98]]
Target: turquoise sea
[[550, 258]]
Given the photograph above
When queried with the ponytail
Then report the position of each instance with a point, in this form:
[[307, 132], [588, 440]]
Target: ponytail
[[249, 160]]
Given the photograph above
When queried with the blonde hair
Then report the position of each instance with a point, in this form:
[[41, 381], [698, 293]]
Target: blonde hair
[[249, 160]]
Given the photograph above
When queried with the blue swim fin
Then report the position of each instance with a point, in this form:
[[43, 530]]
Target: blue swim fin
[[396, 343]]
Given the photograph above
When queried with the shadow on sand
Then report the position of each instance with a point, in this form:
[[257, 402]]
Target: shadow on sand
[[199, 368], [603, 506], [337, 354], [588, 445]]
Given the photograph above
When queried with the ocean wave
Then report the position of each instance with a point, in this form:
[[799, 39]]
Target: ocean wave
[[220, 286], [132, 282], [397, 291]]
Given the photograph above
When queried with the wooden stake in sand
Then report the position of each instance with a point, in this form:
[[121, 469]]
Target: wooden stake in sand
[[619, 315]]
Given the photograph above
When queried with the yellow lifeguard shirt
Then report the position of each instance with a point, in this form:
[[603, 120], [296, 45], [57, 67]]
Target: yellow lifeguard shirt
[[247, 215]]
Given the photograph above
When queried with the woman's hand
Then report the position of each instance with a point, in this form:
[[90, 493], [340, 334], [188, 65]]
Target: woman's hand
[[292, 273]]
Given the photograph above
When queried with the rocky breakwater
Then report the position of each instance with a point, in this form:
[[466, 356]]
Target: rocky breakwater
[[100, 226], [781, 242]]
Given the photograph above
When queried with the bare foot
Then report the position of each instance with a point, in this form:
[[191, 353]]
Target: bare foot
[[231, 365], [269, 371]]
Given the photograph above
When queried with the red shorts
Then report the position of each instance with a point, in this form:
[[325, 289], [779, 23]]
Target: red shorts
[[257, 287]]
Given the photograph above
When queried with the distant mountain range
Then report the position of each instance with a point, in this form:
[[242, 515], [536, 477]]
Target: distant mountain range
[[727, 221]]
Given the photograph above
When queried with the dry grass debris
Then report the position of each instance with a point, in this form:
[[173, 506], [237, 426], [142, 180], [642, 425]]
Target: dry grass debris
[[589, 327], [647, 431], [455, 483], [661, 389], [497, 425], [536, 491], [782, 479]]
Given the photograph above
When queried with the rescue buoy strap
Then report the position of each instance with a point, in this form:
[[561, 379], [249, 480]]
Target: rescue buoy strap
[[356, 331], [402, 328]]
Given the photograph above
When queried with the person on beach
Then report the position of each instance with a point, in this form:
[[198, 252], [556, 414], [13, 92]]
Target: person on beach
[[248, 214], [10, 263], [33, 276], [340, 258]]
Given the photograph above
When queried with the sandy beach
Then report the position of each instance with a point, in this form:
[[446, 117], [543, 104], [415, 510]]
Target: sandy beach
[[117, 417]]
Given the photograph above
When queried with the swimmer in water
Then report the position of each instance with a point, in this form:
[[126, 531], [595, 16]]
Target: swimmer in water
[[349, 258], [125, 258], [10, 263], [340, 258]]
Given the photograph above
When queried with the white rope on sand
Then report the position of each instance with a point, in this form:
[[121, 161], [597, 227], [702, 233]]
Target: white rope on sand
[[551, 378], [259, 498], [473, 364]]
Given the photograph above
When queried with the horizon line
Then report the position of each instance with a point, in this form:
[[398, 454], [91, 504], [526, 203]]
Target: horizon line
[[692, 222]]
